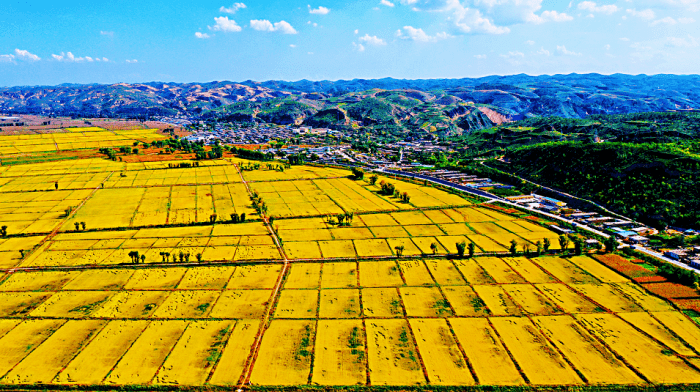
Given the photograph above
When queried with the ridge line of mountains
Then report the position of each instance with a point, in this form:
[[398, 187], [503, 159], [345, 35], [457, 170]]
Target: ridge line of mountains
[[449, 105]]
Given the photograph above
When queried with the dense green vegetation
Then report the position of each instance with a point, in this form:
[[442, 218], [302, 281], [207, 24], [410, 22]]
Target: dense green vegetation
[[655, 183]]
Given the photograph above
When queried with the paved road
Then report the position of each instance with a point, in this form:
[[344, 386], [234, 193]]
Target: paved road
[[664, 258]]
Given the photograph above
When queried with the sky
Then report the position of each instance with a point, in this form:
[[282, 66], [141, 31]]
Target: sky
[[132, 41]]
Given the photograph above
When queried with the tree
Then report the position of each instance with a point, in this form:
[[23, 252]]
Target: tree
[[538, 244], [434, 247], [358, 174], [611, 244], [513, 247], [77, 226], [472, 248], [564, 243], [399, 250], [82, 224], [21, 253], [373, 179], [56, 184], [212, 218], [143, 259], [547, 243], [341, 218], [242, 216], [578, 246], [187, 257], [234, 218], [199, 257], [461, 247], [3, 231], [526, 248], [271, 219], [182, 257]]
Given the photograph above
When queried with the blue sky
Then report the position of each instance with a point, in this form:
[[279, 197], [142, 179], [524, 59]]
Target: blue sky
[[81, 41]]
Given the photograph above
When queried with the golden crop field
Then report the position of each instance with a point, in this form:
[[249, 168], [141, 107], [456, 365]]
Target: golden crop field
[[162, 287]]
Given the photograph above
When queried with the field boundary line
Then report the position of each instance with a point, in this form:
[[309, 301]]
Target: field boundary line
[[253, 354]]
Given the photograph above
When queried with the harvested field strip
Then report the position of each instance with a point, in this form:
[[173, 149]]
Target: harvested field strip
[[339, 354], [71, 304], [499, 270], [647, 324], [445, 273], [339, 275], [567, 299], [425, 302], [648, 302], [241, 304], [393, 359], [530, 300], [486, 244], [339, 248], [380, 274], [473, 272], [37, 281], [187, 304], [194, 355], [232, 360], [681, 326], [600, 271], [607, 296], [373, 247], [564, 270], [95, 361], [409, 247], [303, 250], [647, 357], [540, 361], [415, 273], [7, 325], [339, 303], [528, 270], [490, 360], [44, 363], [155, 279], [285, 354], [297, 304], [131, 304], [254, 277], [442, 358], [497, 301], [303, 276], [101, 279], [465, 302], [382, 303], [597, 364], [20, 341], [17, 304], [214, 278], [140, 364]]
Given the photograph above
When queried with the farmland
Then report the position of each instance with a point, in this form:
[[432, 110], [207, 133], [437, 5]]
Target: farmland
[[161, 286]]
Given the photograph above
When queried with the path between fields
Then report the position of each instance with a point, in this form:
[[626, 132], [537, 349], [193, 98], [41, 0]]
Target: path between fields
[[60, 225], [252, 356]]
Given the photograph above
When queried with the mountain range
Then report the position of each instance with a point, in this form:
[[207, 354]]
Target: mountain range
[[451, 105]]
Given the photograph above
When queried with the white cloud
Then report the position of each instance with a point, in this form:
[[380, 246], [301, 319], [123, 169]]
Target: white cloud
[[109, 34], [372, 40], [688, 42], [386, 3], [607, 47], [266, 25], [292, 46], [89, 59], [644, 14], [544, 52], [223, 23], [690, 5], [7, 58], [310, 53], [312, 24], [686, 20], [419, 35], [479, 56], [562, 50], [551, 16], [202, 35], [232, 9], [640, 47], [591, 6], [624, 39], [667, 20], [515, 54], [530, 42], [25, 55], [319, 11], [68, 58], [357, 31], [132, 61], [105, 59], [358, 47]]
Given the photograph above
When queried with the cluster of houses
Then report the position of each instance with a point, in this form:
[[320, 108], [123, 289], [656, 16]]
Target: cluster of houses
[[690, 256], [460, 178]]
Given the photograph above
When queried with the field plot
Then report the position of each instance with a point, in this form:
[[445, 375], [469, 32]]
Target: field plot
[[441, 355], [339, 354], [339, 303], [393, 359], [285, 353]]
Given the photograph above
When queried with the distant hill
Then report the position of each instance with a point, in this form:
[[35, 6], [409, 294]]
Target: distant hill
[[412, 107]]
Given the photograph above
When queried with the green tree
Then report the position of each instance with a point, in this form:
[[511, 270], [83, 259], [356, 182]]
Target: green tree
[[399, 250], [564, 243], [546, 245], [611, 244], [77, 226], [461, 247], [578, 246], [538, 244], [82, 224], [472, 248], [513, 247], [434, 247], [373, 179]]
